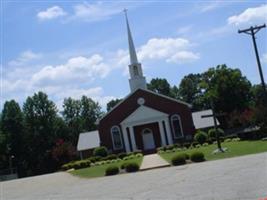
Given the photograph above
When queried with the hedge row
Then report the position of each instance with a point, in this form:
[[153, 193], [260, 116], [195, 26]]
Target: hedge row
[[128, 167], [180, 159], [76, 165], [97, 160]]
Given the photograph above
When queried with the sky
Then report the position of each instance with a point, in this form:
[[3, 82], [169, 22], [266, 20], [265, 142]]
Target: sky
[[75, 48]]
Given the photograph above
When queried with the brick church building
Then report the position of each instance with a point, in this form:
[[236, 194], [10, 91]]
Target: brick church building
[[144, 120]]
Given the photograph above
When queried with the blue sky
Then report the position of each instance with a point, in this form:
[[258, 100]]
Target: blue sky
[[75, 48]]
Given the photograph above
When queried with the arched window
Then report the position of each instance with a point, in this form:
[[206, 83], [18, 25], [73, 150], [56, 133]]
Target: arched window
[[116, 137], [176, 126], [135, 70]]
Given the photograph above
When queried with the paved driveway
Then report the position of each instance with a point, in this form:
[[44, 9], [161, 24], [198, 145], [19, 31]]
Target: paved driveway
[[236, 178]]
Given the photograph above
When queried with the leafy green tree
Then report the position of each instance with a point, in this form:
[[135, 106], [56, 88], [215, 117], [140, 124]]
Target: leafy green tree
[[12, 130], [90, 112], [160, 85], [190, 91], [80, 115], [226, 88], [40, 117], [112, 104], [72, 117]]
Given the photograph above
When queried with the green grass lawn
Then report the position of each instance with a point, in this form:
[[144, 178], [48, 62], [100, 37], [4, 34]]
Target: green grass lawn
[[97, 171], [234, 149]]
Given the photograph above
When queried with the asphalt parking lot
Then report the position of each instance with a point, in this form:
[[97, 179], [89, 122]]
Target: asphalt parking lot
[[234, 178]]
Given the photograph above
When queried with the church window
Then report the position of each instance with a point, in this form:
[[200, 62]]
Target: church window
[[176, 126], [135, 70], [116, 137]]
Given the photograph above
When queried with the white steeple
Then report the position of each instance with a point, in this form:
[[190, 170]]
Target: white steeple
[[137, 80]]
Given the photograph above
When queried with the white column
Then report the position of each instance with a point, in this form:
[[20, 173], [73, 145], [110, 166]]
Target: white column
[[126, 139], [162, 134], [168, 130], [132, 138]]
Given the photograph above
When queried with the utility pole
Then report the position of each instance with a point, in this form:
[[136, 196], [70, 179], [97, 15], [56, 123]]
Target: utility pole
[[252, 31]]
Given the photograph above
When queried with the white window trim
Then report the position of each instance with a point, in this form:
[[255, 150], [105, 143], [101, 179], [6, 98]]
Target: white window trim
[[113, 138], [180, 122]]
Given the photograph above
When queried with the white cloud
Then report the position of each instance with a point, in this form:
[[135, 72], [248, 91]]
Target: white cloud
[[264, 58], [250, 15], [183, 57], [25, 57], [51, 13], [211, 6], [76, 69], [168, 49], [94, 11]]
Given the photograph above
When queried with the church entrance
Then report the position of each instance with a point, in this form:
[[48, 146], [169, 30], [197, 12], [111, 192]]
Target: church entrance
[[148, 139]]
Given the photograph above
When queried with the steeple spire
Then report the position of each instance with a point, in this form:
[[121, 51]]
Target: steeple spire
[[137, 80], [133, 57]]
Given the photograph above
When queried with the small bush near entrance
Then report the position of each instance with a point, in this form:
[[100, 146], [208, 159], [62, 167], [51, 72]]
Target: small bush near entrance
[[197, 156], [212, 133], [112, 170], [178, 159], [131, 167], [201, 137], [186, 156], [100, 151], [122, 155]]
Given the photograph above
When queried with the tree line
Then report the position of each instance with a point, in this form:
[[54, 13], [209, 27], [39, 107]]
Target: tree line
[[38, 139]]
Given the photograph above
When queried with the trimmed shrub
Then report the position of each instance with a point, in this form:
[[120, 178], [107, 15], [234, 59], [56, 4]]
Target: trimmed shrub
[[178, 159], [112, 157], [205, 144], [138, 155], [122, 155], [228, 140], [66, 167], [123, 165], [186, 156], [137, 152], [235, 139], [187, 144], [160, 149], [198, 145], [197, 156], [170, 147], [131, 167], [100, 151], [201, 137], [112, 170], [212, 133]]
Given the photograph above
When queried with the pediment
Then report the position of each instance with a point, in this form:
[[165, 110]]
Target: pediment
[[143, 114]]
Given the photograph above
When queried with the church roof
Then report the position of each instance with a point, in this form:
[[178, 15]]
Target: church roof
[[144, 90]]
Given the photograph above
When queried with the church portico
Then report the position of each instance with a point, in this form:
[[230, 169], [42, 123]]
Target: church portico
[[145, 118]]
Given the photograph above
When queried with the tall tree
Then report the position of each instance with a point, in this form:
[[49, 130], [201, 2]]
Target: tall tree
[[40, 116], [190, 91], [90, 112], [72, 116], [160, 85], [112, 103], [227, 88], [12, 130]]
